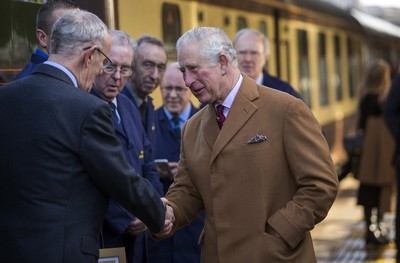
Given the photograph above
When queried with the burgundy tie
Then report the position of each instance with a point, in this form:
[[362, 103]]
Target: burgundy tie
[[220, 115]]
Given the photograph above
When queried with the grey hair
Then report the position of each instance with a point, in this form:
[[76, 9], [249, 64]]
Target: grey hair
[[75, 31], [213, 41], [121, 38], [150, 40], [261, 36]]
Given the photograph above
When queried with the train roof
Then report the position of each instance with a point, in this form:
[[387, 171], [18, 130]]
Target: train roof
[[322, 7], [376, 25]]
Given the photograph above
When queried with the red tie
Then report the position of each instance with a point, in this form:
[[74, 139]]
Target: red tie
[[220, 115]]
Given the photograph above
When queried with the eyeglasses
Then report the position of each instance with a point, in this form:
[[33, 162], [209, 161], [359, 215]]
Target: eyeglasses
[[125, 71], [178, 90], [108, 60]]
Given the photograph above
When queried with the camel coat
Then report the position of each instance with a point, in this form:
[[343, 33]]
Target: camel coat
[[286, 181], [376, 166]]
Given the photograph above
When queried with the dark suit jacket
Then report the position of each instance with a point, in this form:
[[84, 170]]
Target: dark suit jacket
[[138, 152], [183, 246], [60, 161], [36, 59], [149, 126], [286, 181], [278, 84]]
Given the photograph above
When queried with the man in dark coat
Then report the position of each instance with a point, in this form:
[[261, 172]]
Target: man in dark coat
[[183, 247], [150, 60], [60, 160], [252, 48]]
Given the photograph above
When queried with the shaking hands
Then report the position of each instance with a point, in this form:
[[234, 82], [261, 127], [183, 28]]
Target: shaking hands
[[169, 220]]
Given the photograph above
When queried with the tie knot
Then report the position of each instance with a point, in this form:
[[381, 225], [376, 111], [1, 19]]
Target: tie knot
[[176, 120], [112, 106], [220, 109]]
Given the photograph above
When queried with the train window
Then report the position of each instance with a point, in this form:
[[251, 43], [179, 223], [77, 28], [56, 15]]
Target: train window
[[171, 23], [353, 65], [304, 66], [18, 39], [241, 23], [338, 75], [262, 27], [323, 73]]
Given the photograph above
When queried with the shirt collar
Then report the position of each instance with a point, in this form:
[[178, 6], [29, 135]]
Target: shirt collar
[[183, 116], [227, 103], [65, 70], [260, 78]]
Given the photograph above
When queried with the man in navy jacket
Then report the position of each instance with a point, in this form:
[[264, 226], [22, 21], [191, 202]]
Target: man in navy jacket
[[47, 15], [183, 247], [149, 64], [122, 228], [252, 49]]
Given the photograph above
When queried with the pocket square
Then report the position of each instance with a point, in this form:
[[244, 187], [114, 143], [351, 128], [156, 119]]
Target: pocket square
[[256, 139]]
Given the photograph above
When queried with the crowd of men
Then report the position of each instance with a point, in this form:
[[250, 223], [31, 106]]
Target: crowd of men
[[245, 178]]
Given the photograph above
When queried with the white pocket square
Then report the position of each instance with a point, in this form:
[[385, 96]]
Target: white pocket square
[[256, 139]]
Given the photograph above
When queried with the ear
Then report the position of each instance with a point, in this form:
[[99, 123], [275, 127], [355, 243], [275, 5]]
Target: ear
[[88, 55], [42, 38], [224, 62]]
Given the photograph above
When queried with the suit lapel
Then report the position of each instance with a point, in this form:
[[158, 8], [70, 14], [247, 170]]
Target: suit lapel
[[242, 109], [210, 126], [123, 115]]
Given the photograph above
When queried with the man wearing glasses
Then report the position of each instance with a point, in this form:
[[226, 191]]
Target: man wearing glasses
[[120, 227], [60, 160], [169, 119]]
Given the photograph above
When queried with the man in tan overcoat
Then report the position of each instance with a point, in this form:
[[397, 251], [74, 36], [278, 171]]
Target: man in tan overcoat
[[265, 178]]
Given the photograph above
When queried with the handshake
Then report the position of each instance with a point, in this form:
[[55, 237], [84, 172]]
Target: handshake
[[169, 220]]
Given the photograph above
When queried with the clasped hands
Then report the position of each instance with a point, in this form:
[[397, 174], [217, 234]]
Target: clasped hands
[[137, 227], [169, 220]]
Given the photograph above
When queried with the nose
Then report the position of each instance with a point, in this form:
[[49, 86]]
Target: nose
[[188, 78], [116, 74], [155, 72], [173, 93]]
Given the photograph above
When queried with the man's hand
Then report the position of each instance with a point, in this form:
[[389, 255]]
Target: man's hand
[[136, 227], [169, 220]]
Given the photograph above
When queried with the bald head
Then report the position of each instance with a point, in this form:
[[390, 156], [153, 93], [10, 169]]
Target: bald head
[[175, 95]]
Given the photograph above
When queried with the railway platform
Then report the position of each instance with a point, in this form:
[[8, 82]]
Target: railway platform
[[340, 237]]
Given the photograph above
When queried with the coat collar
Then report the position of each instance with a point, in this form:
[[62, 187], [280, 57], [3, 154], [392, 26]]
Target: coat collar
[[53, 72], [242, 109]]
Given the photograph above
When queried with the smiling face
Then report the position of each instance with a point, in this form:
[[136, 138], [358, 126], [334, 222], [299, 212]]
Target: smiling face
[[109, 84], [175, 94], [200, 75], [251, 54]]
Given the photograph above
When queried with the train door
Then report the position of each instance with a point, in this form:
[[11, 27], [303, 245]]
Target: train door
[[171, 27]]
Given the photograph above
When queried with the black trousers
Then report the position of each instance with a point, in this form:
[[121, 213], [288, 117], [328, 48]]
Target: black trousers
[[397, 221]]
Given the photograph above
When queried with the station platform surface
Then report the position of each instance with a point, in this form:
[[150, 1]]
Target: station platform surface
[[340, 237]]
